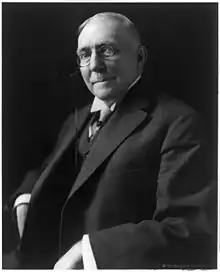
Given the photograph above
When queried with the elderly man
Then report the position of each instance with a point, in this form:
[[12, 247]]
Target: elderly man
[[125, 186]]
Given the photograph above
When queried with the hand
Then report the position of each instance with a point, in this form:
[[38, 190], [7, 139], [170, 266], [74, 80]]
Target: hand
[[21, 212], [71, 258]]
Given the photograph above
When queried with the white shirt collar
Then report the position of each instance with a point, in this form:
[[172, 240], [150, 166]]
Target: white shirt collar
[[99, 105]]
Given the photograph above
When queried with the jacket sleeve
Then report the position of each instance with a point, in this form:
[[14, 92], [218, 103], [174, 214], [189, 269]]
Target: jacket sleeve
[[26, 187], [180, 233], [32, 176]]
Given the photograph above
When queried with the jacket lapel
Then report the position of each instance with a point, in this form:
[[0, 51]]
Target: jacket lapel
[[120, 125], [72, 128]]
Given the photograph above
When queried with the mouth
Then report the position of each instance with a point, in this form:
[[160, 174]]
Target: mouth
[[104, 80]]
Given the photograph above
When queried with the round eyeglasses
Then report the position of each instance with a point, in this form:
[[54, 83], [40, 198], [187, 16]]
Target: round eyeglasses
[[104, 51]]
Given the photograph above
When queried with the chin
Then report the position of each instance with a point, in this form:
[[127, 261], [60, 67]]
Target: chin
[[103, 94]]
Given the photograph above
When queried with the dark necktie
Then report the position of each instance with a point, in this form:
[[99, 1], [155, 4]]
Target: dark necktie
[[100, 118]]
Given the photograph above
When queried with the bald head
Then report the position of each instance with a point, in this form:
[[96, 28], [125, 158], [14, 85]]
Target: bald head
[[122, 21]]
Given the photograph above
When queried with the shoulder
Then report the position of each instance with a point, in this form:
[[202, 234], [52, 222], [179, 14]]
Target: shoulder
[[75, 114], [170, 109], [173, 106], [174, 117], [74, 120]]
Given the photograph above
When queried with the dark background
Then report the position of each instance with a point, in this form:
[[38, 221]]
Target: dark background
[[39, 89]]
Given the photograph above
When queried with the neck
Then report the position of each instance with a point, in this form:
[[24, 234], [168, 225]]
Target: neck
[[117, 100]]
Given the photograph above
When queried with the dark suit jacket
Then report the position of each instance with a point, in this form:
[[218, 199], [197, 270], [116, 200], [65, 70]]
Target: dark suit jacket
[[141, 194]]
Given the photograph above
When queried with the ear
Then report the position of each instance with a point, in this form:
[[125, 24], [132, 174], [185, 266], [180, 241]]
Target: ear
[[142, 54], [142, 58]]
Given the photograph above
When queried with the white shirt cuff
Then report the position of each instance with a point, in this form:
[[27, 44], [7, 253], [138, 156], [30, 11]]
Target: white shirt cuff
[[22, 199], [87, 254]]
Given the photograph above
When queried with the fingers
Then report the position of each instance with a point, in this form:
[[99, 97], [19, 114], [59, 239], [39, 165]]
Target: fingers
[[71, 259]]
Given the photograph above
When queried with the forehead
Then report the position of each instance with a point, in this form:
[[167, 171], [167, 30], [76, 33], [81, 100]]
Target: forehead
[[102, 30]]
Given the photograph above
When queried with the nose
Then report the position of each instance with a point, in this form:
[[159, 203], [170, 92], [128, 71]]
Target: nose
[[96, 62]]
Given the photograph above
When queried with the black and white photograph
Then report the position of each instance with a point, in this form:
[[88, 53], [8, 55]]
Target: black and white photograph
[[109, 135]]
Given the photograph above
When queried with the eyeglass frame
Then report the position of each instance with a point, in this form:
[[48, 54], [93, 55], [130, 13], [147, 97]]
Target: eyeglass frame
[[98, 48]]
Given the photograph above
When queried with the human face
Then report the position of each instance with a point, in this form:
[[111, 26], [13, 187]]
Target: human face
[[108, 78]]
